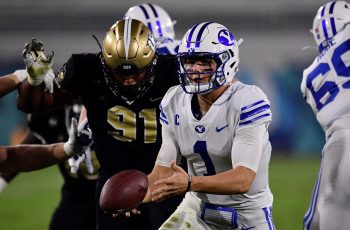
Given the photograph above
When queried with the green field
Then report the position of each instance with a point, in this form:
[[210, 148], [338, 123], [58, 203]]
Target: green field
[[29, 200]]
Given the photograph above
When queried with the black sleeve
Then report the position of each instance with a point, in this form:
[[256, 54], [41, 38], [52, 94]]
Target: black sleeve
[[65, 78]]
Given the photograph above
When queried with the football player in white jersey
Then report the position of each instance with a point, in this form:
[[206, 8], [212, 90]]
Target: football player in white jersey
[[221, 126], [326, 88], [160, 23]]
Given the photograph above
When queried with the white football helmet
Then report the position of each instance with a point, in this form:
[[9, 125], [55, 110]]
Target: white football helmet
[[209, 40], [155, 17], [331, 18]]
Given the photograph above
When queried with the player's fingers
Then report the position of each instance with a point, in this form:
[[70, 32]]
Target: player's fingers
[[135, 211], [162, 192], [162, 181]]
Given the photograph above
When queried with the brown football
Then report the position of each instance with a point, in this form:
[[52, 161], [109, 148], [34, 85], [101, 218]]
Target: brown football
[[123, 191]]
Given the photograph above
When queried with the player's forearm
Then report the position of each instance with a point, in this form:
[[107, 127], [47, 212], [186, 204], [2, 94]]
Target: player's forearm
[[8, 83], [235, 181], [30, 98], [32, 157]]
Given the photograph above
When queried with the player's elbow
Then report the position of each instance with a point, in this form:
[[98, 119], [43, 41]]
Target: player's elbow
[[244, 178], [243, 187]]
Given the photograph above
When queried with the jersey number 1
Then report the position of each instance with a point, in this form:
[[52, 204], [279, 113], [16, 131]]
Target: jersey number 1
[[200, 147]]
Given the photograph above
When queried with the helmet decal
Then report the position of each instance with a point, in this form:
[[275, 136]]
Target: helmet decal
[[190, 36], [199, 35], [331, 18], [226, 38], [149, 24], [127, 38], [155, 17]]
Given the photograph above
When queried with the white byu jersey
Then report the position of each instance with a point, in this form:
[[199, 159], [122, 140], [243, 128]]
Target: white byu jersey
[[326, 84], [210, 144]]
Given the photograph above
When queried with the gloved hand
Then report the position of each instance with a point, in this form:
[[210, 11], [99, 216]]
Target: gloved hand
[[37, 63], [75, 161], [80, 138], [3, 184], [49, 81]]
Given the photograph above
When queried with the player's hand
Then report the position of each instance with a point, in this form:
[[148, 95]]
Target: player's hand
[[75, 161], [80, 138], [36, 62], [171, 186], [134, 211]]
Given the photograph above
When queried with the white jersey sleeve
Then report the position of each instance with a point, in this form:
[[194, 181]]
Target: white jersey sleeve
[[326, 84], [169, 150], [252, 128]]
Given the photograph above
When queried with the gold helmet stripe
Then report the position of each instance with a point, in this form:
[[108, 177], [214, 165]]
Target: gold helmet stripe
[[127, 37]]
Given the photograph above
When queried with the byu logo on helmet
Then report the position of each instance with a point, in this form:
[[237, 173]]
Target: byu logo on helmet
[[199, 129], [226, 38]]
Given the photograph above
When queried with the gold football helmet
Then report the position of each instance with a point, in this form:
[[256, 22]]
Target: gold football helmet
[[129, 50]]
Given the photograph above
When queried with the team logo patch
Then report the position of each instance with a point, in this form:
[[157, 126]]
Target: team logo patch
[[199, 129], [226, 38]]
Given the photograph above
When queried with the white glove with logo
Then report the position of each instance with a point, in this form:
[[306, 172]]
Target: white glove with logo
[[75, 161], [80, 138], [37, 63]]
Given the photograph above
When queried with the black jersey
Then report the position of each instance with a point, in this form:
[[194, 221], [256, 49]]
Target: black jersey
[[77, 205], [126, 136]]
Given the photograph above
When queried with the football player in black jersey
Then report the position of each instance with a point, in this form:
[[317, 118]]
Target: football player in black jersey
[[121, 88], [76, 210]]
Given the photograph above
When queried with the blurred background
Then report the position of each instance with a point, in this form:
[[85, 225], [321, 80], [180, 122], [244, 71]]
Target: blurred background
[[272, 57], [272, 54]]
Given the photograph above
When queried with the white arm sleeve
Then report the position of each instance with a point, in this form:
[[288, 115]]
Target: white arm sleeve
[[169, 150], [247, 146]]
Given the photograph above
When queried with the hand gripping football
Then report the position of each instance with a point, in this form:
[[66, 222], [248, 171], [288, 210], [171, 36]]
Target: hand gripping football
[[123, 191]]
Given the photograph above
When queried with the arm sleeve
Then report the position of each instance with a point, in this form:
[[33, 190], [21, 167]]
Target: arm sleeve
[[247, 146], [64, 78], [169, 149]]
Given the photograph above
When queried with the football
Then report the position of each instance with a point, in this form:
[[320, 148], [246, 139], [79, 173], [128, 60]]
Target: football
[[123, 191]]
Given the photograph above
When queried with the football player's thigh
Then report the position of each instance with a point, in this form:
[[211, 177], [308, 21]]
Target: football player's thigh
[[334, 206]]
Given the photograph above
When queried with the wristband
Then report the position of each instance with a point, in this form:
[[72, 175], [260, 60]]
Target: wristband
[[189, 183], [21, 74]]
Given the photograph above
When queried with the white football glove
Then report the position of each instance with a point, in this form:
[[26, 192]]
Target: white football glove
[[49, 81], [3, 184], [80, 138], [74, 162], [37, 63]]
